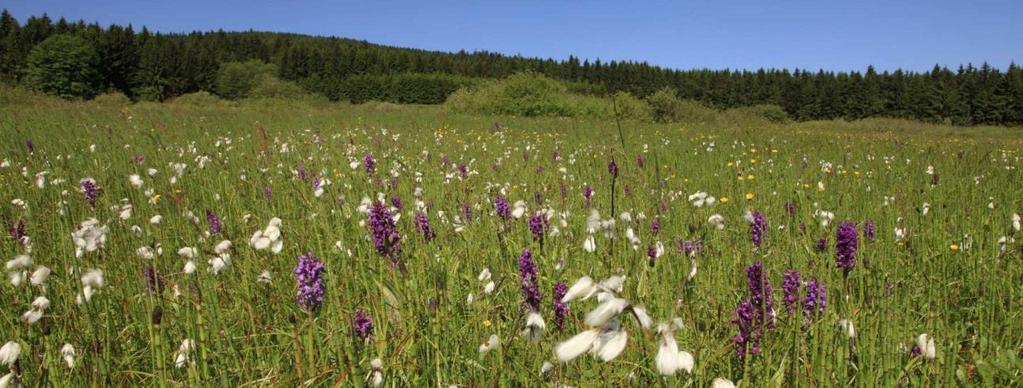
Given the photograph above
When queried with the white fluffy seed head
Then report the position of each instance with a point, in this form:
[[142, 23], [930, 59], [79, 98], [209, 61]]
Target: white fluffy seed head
[[575, 346]]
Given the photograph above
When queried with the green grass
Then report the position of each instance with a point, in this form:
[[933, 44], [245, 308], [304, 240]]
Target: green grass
[[250, 333]]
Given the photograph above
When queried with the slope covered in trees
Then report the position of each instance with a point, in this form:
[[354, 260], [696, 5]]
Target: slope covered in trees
[[147, 65]]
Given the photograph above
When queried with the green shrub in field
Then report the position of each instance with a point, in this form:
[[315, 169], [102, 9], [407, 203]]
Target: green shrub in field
[[112, 99], [236, 79], [63, 65], [667, 107], [534, 95], [771, 113], [269, 86], [200, 98], [405, 88]]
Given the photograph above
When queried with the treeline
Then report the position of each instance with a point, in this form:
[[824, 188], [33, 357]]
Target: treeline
[[147, 65]]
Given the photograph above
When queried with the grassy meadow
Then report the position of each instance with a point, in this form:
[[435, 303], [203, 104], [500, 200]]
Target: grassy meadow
[[945, 260]]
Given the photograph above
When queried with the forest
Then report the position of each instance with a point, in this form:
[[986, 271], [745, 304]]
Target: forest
[[146, 65]]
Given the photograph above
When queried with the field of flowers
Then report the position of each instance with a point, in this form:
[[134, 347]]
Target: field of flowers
[[403, 246]]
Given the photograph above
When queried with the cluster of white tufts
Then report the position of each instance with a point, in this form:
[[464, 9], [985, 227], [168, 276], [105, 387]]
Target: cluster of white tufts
[[270, 237], [92, 281], [89, 236], [606, 337], [701, 199]]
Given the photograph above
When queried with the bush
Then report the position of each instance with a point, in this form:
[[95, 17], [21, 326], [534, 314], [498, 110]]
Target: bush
[[236, 79], [666, 107], [771, 113], [200, 98], [531, 95], [405, 88], [112, 99], [63, 65], [268, 86]]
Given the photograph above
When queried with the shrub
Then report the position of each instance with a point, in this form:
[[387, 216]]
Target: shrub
[[268, 86], [112, 99], [405, 88], [236, 79], [200, 98], [531, 95], [63, 65]]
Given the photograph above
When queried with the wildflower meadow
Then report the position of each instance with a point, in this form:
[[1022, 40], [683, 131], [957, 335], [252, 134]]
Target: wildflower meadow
[[282, 244]]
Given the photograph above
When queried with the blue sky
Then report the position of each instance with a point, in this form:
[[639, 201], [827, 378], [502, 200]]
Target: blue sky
[[740, 34]]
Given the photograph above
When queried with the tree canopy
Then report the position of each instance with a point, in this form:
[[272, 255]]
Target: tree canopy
[[157, 66]]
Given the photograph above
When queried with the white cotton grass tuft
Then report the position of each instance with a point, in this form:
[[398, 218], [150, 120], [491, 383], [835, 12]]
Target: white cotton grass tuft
[[40, 276], [268, 238], [847, 326], [92, 281], [67, 352], [183, 356], [221, 259], [534, 327], [9, 353], [926, 345], [611, 342], [518, 209], [576, 346], [717, 221], [590, 244], [1016, 219], [17, 269], [670, 359], [722, 382], [605, 312], [701, 199], [264, 277], [493, 342], [39, 307], [376, 375], [582, 289], [89, 236]]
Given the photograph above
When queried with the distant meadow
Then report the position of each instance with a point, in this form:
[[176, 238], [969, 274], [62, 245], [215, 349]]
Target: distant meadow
[[287, 242]]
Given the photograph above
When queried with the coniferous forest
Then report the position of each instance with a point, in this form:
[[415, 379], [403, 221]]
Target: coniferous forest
[[156, 66]]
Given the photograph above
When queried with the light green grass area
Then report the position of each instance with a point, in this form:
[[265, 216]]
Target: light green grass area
[[948, 277]]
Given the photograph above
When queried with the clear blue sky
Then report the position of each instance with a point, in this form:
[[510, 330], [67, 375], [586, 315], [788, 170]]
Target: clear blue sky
[[740, 34]]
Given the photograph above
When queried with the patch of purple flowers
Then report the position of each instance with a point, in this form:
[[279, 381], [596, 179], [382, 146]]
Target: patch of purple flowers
[[790, 289], [560, 308], [386, 238], [758, 228], [423, 226], [528, 277], [214, 222], [845, 246], [502, 207], [90, 191], [309, 276], [369, 163], [362, 325], [538, 226]]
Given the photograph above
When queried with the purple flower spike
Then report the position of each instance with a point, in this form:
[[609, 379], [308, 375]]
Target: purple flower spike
[[528, 277], [90, 191], [369, 163], [758, 228], [386, 238], [845, 246], [790, 288], [362, 325], [502, 206], [423, 226], [309, 276], [560, 309], [214, 222]]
